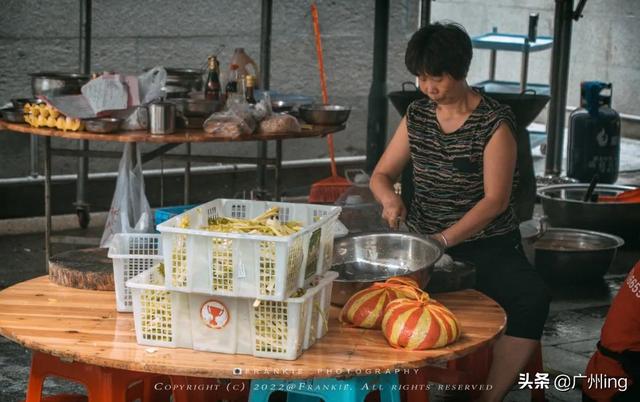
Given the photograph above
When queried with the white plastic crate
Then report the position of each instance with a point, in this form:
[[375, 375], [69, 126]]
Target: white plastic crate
[[244, 265], [232, 325], [132, 254], [161, 316]]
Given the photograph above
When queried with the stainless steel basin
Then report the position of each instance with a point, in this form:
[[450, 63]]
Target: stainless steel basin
[[564, 206], [364, 259], [574, 255]]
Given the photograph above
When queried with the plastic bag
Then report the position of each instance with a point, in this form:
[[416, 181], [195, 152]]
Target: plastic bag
[[151, 83], [280, 123], [232, 123], [130, 211]]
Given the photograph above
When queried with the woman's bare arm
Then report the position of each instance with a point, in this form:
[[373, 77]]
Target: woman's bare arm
[[386, 173]]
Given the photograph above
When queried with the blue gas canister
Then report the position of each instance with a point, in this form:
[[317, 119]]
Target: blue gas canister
[[594, 135]]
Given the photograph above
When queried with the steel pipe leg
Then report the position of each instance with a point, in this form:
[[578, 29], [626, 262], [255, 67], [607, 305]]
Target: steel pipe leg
[[278, 177], [187, 176], [33, 155], [47, 202], [82, 205]]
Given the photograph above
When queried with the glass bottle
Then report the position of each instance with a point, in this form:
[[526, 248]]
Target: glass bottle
[[212, 87], [250, 82], [232, 84]]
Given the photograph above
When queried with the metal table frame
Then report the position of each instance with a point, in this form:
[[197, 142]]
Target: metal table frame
[[162, 150]]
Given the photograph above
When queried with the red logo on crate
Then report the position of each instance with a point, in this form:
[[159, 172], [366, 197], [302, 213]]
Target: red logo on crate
[[214, 314]]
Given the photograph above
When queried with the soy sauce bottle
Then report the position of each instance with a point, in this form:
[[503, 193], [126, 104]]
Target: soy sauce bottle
[[212, 87]]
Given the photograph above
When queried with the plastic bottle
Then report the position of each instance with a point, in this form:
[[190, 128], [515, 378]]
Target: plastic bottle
[[246, 65]]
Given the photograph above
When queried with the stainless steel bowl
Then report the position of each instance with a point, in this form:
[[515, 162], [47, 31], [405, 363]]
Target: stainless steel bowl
[[575, 255], [564, 206], [19, 103], [173, 91], [13, 115], [189, 78], [281, 106], [103, 125], [55, 83], [324, 115], [364, 259], [196, 107]]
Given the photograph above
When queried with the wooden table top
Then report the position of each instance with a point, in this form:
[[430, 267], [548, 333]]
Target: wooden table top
[[83, 325], [180, 136]]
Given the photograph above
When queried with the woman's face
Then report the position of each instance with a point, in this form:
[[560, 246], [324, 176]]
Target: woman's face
[[441, 89]]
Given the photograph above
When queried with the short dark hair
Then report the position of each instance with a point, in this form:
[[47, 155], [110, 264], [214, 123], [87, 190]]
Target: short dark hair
[[439, 48]]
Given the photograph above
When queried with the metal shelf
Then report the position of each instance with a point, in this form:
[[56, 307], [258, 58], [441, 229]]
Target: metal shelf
[[511, 42], [512, 87]]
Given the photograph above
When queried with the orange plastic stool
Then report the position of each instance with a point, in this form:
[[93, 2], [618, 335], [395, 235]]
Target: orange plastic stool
[[102, 384], [470, 369], [196, 389]]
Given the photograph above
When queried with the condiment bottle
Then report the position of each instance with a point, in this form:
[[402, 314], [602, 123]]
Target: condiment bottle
[[232, 85], [212, 87], [250, 82], [243, 61]]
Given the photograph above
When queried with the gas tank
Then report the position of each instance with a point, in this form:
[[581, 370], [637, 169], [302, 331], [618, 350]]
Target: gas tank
[[594, 135]]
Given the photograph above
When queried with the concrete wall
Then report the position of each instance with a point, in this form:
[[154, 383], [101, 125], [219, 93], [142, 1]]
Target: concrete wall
[[128, 36]]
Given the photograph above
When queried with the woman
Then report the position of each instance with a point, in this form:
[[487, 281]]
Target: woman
[[463, 148]]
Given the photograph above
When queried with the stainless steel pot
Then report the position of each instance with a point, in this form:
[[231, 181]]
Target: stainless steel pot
[[188, 78], [162, 118], [55, 83], [364, 259], [564, 206], [575, 255]]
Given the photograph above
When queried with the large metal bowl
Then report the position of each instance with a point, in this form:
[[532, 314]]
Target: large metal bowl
[[363, 259], [564, 206], [196, 107], [12, 115], [575, 255], [55, 83], [324, 115]]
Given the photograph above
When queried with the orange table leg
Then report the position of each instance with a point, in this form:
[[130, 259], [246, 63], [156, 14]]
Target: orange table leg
[[102, 384]]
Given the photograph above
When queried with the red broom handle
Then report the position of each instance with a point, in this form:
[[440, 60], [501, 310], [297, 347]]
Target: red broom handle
[[323, 81]]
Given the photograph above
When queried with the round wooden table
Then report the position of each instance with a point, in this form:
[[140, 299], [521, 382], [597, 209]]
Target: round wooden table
[[180, 136], [83, 325]]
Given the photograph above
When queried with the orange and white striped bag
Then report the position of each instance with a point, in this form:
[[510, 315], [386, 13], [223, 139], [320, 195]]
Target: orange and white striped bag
[[420, 323], [365, 309]]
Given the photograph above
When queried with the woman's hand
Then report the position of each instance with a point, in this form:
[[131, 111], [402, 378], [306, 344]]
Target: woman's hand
[[393, 211]]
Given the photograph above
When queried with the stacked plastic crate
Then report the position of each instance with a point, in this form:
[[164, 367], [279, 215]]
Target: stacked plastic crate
[[238, 293]]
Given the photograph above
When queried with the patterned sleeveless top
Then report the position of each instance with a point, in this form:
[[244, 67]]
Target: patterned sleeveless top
[[448, 168]]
